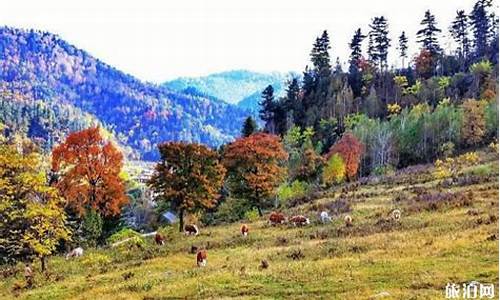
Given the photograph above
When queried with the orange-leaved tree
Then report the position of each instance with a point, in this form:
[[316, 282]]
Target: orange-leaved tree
[[255, 167], [350, 149], [188, 178], [88, 167]]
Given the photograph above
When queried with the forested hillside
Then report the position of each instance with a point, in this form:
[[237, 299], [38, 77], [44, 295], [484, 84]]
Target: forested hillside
[[44, 70], [239, 87]]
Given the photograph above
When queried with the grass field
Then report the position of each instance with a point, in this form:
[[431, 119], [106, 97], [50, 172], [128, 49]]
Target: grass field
[[448, 233]]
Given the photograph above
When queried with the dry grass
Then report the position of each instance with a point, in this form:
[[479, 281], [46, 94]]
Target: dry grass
[[410, 259]]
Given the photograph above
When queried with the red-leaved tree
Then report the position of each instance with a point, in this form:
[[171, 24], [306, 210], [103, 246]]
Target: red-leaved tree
[[350, 149], [89, 169], [255, 166]]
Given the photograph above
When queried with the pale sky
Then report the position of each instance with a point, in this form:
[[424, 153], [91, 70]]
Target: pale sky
[[161, 40]]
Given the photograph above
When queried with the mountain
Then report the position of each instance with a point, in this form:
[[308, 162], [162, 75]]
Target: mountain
[[39, 69], [239, 87]]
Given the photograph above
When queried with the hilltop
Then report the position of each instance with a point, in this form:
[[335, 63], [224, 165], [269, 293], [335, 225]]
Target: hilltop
[[41, 68], [241, 87]]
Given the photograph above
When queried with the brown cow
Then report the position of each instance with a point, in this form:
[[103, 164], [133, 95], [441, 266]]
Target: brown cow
[[159, 239], [244, 229], [277, 218], [299, 220], [191, 229], [201, 258]]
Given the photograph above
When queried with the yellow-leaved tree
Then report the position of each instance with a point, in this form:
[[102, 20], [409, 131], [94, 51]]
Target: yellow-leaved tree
[[32, 218]]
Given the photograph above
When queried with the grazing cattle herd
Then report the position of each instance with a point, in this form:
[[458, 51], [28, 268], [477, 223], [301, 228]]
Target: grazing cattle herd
[[275, 218]]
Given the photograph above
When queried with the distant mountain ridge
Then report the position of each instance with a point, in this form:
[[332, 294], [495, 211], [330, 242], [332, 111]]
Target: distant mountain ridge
[[241, 87], [40, 67]]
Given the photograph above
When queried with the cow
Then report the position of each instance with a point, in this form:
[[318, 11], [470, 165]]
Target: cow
[[159, 239], [244, 229], [299, 220], [324, 217], [277, 218], [28, 275], [191, 229], [201, 258], [348, 221], [396, 215], [77, 252]]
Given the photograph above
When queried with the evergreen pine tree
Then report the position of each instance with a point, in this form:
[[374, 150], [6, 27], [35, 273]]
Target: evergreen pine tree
[[355, 46], [403, 48], [355, 77], [266, 112], [295, 102], [460, 32], [379, 42], [481, 30], [427, 36], [249, 127], [320, 56]]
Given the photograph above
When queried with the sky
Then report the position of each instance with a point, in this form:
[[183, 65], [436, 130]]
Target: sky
[[161, 40]]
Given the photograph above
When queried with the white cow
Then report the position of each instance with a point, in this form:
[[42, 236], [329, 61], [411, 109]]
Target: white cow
[[77, 252], [325, 218]]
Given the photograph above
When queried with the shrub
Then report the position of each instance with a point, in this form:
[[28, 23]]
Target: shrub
[[231, 210], [92, 228], [92, 260], [125, 233], [334, 171], [384, 170], [252, 215], [482, 68], [290, 191], [474, 123], [339, 206], [447, 149], [482, 170], [438, 200]]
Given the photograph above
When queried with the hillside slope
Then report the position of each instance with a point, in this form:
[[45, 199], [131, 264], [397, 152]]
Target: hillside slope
[[240, 87], [448, 233], [39, 66]]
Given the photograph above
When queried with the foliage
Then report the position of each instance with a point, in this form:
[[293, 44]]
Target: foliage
[[335, 170], [293, 190], [89, 169], [350, 149], [91, 228], [121, 235], [229, 210], [474, 124], [32, 219], [252, 215], [255, 167], [42, 67], [249, 127], [188, 178]]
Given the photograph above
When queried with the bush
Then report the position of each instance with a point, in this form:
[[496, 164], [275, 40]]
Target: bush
[[334, 171], [92, 260], [125, 233], [384, 170], [482, 170], [252, 215], [438, 200], [294, 190], [92, 228], [231, 210]]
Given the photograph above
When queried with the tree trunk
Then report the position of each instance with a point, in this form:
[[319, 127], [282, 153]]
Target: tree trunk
[[42, 261], [181, 220], [259, 210]]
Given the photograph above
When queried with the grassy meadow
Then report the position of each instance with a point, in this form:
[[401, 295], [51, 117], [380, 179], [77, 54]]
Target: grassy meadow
[[448, 233]]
